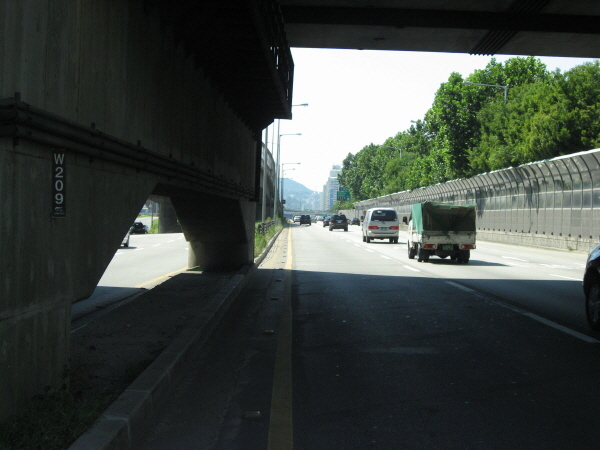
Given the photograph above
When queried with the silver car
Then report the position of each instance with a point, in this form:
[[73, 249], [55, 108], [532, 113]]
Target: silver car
[[380, 223]]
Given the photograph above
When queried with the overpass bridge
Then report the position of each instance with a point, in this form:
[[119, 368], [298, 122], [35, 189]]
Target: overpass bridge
[[105, 103]]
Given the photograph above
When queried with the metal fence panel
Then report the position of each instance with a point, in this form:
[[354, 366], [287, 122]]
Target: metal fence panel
[[559, 196]]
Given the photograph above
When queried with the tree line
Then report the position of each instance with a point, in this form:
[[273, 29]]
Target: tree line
[[472, 129]]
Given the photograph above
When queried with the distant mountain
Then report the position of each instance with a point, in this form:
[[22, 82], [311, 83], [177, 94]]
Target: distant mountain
[[299, 197]]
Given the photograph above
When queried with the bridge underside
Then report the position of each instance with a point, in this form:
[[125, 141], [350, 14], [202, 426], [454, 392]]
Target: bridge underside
[[510, 27]]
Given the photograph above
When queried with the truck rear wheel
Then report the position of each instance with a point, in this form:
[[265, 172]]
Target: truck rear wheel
[[411, 251], [422, 255]]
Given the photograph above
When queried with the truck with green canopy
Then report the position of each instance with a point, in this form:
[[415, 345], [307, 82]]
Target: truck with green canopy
[[441, 229]]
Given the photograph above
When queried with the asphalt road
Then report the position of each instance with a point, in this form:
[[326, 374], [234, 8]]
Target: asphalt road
[[149, 260], [339, 344]]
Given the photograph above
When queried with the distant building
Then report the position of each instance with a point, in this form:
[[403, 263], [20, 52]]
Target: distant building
[[330, 189]]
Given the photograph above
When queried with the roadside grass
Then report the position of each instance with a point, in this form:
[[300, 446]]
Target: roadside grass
[[56, 419], [154, 227], [53, 421], [261, 240]]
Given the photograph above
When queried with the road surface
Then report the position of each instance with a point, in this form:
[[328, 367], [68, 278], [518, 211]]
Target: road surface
[[340, 344]]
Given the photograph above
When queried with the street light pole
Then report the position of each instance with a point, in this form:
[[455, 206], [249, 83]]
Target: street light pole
[[491, 85], [278, 161], [282, 180], [278, 165]]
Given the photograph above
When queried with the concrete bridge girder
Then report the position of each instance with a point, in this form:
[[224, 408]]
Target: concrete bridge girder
[[107, 85]]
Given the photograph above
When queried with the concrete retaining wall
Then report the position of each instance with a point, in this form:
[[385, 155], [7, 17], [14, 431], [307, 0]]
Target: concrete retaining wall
[[111, 67]]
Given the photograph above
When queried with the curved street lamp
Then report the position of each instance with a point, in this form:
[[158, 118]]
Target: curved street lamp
[[283, 177], [276, 198]]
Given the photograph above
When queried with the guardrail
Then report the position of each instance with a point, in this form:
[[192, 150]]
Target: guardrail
[[263, 227]]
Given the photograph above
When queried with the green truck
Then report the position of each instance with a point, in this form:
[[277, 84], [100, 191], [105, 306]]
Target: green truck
[[441, 229]]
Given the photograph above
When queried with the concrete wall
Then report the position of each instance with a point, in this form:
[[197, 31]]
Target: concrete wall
[[109, 66]]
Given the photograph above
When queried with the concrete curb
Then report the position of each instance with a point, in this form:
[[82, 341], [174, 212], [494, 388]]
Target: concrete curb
[[126, 419]]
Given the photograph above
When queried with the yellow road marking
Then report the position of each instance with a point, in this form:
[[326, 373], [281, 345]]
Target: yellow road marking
[[281, 431], [160, 278]]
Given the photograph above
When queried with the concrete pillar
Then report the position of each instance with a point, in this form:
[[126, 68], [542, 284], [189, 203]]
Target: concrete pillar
[[220, 231], [47, 263], [168, 222]]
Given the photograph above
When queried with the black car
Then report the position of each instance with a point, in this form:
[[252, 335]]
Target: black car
[[355, 221], [305, 218], [326, 221], [338, 221], [139, 228], [591, 288]]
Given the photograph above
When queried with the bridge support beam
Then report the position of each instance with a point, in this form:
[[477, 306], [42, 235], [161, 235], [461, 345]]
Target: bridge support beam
[[49, 262], [220, 231]]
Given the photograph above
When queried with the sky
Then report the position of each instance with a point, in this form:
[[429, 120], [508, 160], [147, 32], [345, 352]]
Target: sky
[[359, 97]]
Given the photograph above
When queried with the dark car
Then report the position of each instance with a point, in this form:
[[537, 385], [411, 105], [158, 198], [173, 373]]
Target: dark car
[[355, 221], [139, 228], [305, 219], [326, 221], [338, 221], [591, 288]]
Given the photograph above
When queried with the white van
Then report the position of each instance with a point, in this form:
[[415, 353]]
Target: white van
[[380, 223]]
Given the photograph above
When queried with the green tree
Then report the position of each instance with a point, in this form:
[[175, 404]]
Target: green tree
[[581, 86], [409, 145], [534, 125]]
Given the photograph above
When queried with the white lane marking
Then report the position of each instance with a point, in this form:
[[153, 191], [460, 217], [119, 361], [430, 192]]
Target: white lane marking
[[79, 328], [357, 245], [119, 253], [156, 245], [372, 251], [411, 268], [384, 257], [556, 266], [562, 276], [540, 319], [573, 333], [516, 259], [460, 286], [140, 248], [172, 240]]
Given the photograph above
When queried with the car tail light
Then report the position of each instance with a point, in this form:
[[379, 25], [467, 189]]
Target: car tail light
[[430, 246], [373, 227], [466, 246], [393, 227]]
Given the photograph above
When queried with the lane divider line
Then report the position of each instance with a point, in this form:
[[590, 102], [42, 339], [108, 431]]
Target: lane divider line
[[562, 276], [516, 259], [281, 430], [533, 316], [564, 329]]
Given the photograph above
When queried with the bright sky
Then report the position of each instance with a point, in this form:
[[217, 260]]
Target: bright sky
[[358, 97]]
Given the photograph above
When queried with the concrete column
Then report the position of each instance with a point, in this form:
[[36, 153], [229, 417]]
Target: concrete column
[[220, 231], [48, 262], [168, 219]]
